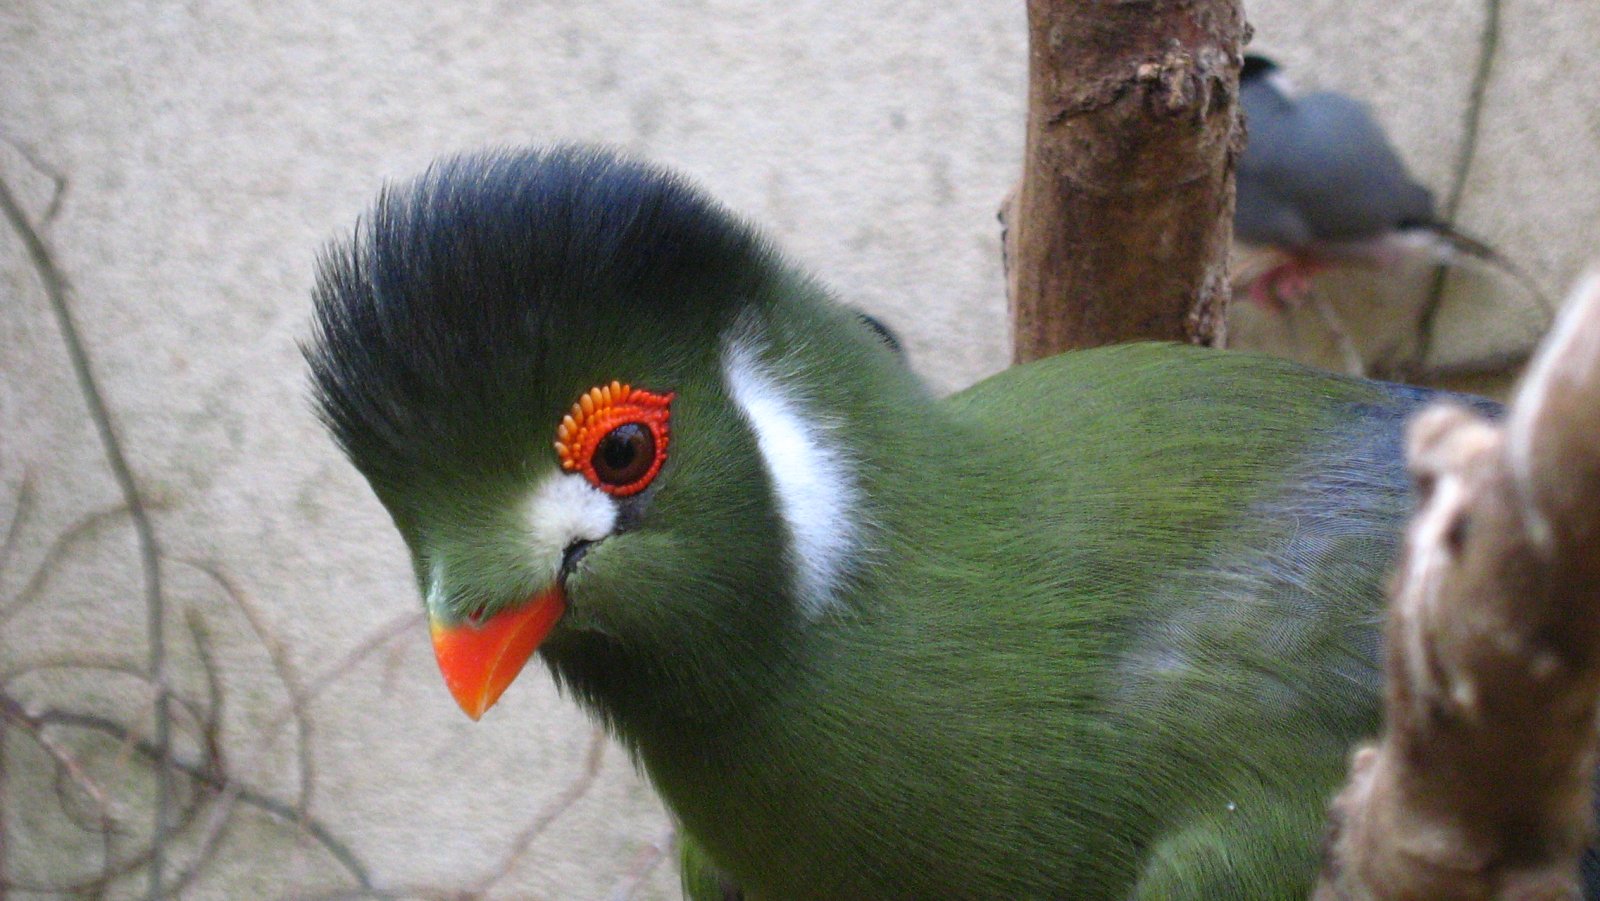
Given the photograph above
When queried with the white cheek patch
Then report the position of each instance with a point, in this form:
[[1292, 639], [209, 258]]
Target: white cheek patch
[[812, 481], [561, 509], [564, 508], [1282, 83]]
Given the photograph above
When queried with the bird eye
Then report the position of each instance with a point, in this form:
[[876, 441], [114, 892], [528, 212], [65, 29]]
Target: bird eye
[[624, 454], [616, 436]]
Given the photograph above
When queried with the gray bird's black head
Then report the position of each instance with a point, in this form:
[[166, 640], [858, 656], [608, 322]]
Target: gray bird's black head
[[1256, 67]]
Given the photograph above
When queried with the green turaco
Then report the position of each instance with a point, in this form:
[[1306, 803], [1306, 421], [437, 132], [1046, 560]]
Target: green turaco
[[1101, 626]]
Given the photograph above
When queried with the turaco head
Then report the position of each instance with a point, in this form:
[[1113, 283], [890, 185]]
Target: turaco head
[[610, 423]]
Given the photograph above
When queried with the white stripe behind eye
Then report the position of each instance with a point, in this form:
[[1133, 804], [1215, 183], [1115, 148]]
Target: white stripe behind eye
[[811, 479]]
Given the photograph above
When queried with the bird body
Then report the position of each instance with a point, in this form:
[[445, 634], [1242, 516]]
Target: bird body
[[1057, 632], [1318, 171], [1319, 185], [1102, 625]]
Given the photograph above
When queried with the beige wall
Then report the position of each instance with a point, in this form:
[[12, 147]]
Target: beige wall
[[208, 150]]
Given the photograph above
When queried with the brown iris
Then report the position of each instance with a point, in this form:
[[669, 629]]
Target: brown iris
[[624, 454]]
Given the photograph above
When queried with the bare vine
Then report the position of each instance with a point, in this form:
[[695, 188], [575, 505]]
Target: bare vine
[[174, 736]]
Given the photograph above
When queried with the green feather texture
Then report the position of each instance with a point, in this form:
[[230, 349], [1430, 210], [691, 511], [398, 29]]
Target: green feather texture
[[1101, 626]]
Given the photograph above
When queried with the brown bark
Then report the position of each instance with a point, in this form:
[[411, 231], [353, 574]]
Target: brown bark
[[1121, 225], [1479, 787]]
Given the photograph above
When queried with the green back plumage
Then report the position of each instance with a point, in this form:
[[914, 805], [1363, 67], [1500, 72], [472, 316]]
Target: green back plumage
[[1066, 638]]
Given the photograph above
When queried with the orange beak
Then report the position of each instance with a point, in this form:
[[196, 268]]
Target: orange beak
[[479, 660]]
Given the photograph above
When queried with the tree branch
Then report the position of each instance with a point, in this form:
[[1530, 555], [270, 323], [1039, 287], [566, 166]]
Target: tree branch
[[1121, 225], [1480, 785]]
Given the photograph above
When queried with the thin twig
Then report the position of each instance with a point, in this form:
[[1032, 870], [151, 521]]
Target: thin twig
[[232, 788], [19, 517], [112, 868], [56, 289], [209, 727], [58, 179], [212, 733], [209, 770], [208, 775], [562, 802], [478, 890], [108, 662], [644, 863], [1488, 43], [66, 762], [280, 664], [285, 672], [58, 551]]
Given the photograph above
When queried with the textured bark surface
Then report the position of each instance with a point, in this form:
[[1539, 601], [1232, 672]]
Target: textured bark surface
[[1480, 786], [1121, 225]]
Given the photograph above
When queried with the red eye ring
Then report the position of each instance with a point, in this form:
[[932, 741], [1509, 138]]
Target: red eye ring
[[629, 461]]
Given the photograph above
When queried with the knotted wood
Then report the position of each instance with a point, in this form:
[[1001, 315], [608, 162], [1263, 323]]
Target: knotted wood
[[1120, 227]]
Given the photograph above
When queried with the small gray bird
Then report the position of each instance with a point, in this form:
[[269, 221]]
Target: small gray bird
[[1319, 185], [1319, 182]]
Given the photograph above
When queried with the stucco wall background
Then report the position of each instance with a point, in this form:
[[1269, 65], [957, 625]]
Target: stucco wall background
[[206, 150]]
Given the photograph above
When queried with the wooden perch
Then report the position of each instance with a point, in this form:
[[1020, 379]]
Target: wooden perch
[[1480, 785], [1120, 227]]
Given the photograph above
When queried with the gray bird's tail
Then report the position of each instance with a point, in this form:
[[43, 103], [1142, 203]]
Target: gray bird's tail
[[1451, 244]]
